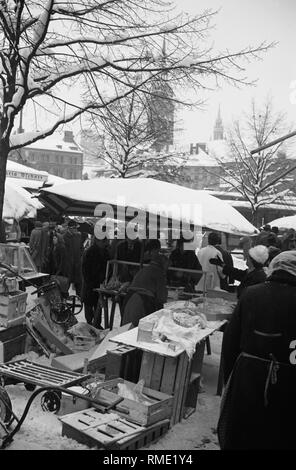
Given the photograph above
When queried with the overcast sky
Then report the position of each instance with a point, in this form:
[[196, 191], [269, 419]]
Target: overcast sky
[[240, 23]]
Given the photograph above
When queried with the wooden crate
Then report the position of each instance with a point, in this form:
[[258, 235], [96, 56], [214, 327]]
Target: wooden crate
[[141, 413], [109, 431], [12, 342], [12, 308]]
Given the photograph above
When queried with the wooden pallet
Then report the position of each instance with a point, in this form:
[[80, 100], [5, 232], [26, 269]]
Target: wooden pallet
[[39, 374], [109, 431]]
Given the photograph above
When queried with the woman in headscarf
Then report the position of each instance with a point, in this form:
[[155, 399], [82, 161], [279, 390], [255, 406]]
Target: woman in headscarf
[[254, 274], [258, 407], [148, 291]]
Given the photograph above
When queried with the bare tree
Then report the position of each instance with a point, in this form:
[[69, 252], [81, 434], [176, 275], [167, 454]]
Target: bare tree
[[125, 140], [262, 178], [96, 43]]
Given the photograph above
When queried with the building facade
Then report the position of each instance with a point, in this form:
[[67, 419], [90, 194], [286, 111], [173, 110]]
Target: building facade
[[58, 156]]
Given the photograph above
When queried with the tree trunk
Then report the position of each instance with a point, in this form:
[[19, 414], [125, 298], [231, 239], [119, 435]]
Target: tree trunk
[[4, 151], [255, 218]]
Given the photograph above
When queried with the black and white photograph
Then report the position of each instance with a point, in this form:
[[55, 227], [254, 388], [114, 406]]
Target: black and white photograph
[[147, 228]]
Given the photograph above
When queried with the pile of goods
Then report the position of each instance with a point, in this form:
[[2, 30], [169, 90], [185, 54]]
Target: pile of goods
[[183, 314], [216, 309]]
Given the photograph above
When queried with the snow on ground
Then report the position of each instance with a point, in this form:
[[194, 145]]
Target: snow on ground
[[43, 430]]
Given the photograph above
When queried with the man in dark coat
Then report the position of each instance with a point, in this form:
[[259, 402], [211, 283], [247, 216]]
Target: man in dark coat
[[72, 240], [258, 409], [35, 245], [148, 291], [94, 264]]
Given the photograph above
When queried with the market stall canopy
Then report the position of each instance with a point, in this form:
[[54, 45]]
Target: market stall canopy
[[284, 223], [80, 198], [19, 203]]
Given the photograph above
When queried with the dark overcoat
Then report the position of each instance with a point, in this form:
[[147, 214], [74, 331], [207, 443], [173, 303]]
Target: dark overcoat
[[259, 407]]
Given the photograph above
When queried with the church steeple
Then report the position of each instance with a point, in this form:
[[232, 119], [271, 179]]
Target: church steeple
[[218, 128]]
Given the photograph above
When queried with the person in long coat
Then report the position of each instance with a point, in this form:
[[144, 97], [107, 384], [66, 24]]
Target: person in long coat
[[148, 291], [35, 245], [94, 263], [258, 407], [72, 239]]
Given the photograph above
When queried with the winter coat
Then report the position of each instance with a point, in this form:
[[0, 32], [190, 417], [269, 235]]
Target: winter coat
[[147, 294], [247, 278], [35, 247], [73, 256], [227, 259], [258, 407], [59, 260], [94, 263], [213, 280]]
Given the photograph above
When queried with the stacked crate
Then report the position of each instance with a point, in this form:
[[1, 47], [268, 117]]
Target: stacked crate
[[12, 321]]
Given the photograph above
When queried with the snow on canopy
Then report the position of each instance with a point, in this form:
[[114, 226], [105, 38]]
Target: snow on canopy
[[284, 222], [156, 197], [18, 203]]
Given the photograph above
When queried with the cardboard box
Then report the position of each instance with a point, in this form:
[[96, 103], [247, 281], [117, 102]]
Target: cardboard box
[[12, 308]]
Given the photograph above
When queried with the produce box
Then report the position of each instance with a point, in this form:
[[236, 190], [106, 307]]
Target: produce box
[[109, 431], [156, 407], [12, 308]]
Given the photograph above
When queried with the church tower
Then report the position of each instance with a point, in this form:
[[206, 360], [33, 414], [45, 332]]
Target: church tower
[[218, 128], [162, 110]]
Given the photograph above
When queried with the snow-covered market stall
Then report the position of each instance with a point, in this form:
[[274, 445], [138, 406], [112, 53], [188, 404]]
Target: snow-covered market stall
[[123, 385]]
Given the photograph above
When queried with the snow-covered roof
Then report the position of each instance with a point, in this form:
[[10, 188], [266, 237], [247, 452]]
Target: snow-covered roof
[[53, 142], [273, 205], [25, 183], [284, 222], [18, 203], [201, 159], [219, 149], [24, 171], [53, 179], [167, 200]]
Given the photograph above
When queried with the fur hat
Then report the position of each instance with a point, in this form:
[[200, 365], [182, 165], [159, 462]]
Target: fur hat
[[259, 254]]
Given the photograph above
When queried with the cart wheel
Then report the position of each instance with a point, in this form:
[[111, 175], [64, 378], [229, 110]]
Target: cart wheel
[[74, 304], [51, 401], [30, 387], [5, 406]]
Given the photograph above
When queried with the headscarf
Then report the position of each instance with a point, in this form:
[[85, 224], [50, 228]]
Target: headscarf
[[285, 261], [259, 254]]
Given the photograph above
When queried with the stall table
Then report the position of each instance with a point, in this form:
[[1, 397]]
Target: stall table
[[170, 371], [116, 298]]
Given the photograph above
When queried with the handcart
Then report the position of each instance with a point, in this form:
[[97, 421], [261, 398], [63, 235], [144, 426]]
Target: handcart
[[52, 382]]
